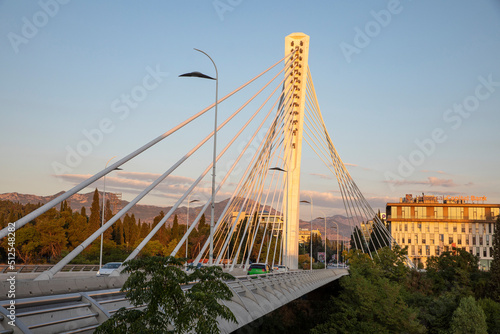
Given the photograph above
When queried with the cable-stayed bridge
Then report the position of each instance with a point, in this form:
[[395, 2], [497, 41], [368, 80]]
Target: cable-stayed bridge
[[260, 222]]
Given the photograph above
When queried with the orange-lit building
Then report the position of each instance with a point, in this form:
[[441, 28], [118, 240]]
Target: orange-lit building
[[429, 225]]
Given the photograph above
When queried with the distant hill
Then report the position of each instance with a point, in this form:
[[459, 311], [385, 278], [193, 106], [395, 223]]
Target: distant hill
[[146, 213]]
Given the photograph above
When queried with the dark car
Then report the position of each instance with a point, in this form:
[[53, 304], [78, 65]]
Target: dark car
[[259, 268]]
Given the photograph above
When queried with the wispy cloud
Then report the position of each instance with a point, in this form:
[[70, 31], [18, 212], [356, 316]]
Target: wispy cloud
[[323, 176], [431, 181], [434, 171], [356, 166], [173, 187], [435, 182]]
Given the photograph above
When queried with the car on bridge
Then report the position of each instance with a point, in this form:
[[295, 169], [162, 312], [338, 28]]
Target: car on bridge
[[108, 268], [259, 268], [281, 268]]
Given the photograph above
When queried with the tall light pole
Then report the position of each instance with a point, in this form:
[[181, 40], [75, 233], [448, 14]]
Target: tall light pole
[[285, 260], [104, 207], [324, 216], [204, 76], [187, 223], [310, 231], [337, 245]]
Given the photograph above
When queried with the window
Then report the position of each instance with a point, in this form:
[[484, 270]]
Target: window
[[487, 239], [427, 250], [455, 228], [463, 227], [484, 252], [416, 238], [436, 228], [406, 227], [481, 214], [405, 212], [421, 212], [459, 240], [446, 227], [467, 240], [424, 239], [437, 250], [409, 240], [450, 240], [438, 212], [419, 227], [441, 237], [412, 250], [419, 250], [431, 241], [473, 239], [481, 240]]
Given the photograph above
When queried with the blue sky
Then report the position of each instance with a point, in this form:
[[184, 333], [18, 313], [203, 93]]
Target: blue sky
[[428, 73]]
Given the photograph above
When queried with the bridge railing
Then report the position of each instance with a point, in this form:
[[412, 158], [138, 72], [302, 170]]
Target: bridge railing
[[38, 268]]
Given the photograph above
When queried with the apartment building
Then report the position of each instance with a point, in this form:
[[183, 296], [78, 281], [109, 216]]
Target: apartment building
[[429, 225]]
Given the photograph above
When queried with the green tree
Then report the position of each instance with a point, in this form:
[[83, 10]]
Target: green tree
[[453, 270], [492, 311], [367, 299], [27, 243], [77, 230], [118, 232], [468, 318], [495, 264], [156, 282], [95, 214], [52, 236]]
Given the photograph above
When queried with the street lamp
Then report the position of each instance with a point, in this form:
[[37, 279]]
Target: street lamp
[[310, 230], [285, 260], [324, 216], [103, 208], [337, 245], [204, 76], [187, 223]]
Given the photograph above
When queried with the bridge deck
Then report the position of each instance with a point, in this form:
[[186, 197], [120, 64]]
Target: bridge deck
[[79, 305]]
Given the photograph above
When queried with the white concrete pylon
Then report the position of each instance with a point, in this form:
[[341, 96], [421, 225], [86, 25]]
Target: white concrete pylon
[[298, 43]]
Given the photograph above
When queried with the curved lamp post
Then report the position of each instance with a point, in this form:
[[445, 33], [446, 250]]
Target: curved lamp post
[[204, 76], [310, 230], [324, 216], [187, 223]]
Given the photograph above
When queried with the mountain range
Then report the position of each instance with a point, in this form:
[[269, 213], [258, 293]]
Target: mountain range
[[146, 213]]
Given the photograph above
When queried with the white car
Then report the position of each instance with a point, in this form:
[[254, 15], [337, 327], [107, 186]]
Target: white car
[[282, 269], [108, 268]]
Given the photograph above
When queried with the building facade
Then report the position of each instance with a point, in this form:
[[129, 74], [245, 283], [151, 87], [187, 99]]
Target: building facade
[[305, 235], [430, 225]]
